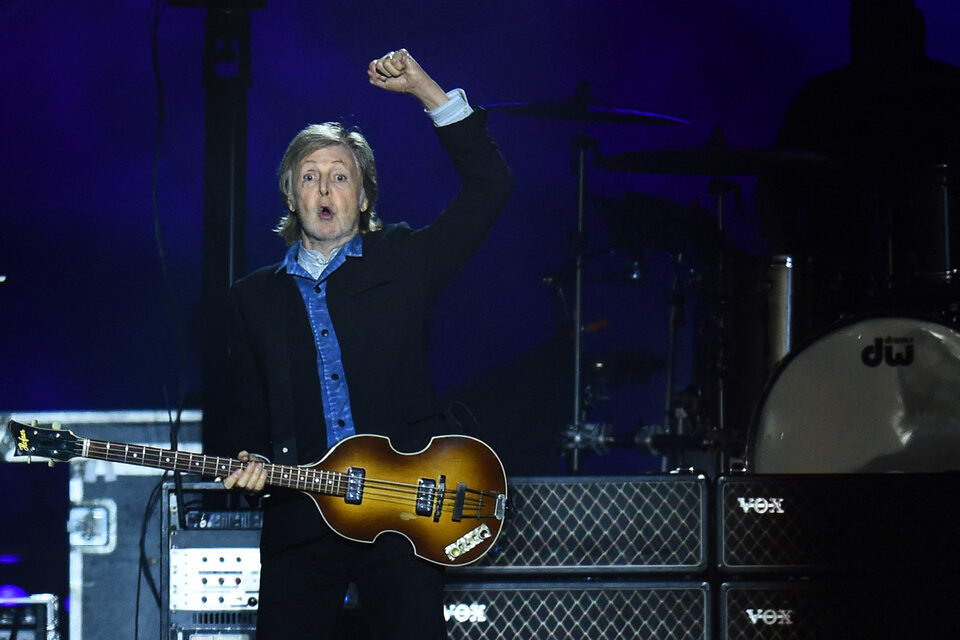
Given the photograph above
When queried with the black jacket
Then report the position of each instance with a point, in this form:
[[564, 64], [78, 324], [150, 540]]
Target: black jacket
[[380, 305]]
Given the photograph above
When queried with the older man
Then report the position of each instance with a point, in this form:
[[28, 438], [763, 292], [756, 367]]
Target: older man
[[333, 341]]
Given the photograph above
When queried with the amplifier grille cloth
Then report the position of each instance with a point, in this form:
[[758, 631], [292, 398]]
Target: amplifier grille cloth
[[575, 611], [602, 524]]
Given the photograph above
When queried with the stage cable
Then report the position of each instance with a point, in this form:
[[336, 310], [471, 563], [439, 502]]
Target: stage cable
[[144, 562], [156, 13]]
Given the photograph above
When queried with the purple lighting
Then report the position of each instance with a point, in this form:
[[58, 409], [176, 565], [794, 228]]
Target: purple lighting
[[10, 592], [9, 558]]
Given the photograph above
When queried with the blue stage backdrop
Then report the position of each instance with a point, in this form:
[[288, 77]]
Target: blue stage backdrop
[[87, 323]]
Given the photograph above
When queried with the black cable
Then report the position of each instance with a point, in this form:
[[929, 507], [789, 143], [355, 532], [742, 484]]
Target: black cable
[[144, 572], [155, 13]]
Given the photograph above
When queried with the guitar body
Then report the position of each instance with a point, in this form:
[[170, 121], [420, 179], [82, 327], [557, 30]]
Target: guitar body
[[387, 507]]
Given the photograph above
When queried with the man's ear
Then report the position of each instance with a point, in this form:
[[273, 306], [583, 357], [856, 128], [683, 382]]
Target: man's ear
[[364, 203]]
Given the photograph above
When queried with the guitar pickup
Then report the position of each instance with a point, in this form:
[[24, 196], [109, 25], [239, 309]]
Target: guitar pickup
[[426, 492], [354, 491]]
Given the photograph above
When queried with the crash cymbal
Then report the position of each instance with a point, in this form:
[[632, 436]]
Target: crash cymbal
[[718, 160], [582, 107]]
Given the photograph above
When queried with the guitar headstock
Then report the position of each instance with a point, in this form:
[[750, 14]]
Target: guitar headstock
[[56, 444]]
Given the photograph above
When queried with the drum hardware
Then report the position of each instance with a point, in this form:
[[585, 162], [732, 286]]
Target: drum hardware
[[639, 222], [651, 440], [581, 108]]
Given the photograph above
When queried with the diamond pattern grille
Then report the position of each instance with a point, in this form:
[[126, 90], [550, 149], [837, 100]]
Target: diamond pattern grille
[[512, 611], [602, 524], [847, 521]]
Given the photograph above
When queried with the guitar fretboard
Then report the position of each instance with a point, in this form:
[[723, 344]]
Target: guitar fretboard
[[278, 475]]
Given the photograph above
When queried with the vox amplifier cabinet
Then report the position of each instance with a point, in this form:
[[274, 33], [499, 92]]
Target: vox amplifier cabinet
[[577, 610], [29, 618], [601, 525], [804, 610], [889, 522], [108, 505], [211, 563]]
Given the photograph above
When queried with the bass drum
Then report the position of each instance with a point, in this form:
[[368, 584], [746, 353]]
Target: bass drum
[[873, 395]]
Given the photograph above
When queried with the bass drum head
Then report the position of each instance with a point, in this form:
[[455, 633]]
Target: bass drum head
[[874, 395]]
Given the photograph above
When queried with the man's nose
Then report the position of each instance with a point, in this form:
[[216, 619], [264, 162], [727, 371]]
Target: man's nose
[[324, 185]]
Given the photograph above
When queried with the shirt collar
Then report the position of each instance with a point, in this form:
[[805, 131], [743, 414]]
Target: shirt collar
[[289, 264]]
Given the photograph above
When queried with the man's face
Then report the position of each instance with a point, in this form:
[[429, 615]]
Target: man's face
[[327, 198]]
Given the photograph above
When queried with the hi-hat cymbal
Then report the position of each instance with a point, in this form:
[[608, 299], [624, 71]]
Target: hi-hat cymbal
[[582, 107], [718, 160]]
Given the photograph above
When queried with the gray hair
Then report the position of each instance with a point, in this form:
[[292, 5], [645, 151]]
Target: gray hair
[[319, 136]]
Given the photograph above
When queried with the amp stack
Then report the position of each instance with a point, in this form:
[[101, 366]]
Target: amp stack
[[839, 556], [591, 558], [747, 557]]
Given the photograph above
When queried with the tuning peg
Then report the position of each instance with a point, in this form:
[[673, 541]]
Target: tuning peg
[[57, 426], [50, 463]]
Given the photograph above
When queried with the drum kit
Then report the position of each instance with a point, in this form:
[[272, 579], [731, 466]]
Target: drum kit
[[780, 384]]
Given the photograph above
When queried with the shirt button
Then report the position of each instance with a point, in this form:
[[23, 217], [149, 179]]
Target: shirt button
[[335, 376], [325, 333], [341, 423]]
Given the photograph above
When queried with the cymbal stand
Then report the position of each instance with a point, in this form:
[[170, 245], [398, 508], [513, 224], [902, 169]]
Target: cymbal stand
[[720, 188], [675, 300], [580, 144]]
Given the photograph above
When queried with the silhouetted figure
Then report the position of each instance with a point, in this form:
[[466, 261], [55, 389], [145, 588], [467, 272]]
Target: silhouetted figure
[[873, 234]]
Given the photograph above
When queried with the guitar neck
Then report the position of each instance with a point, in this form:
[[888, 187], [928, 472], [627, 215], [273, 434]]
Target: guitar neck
[[278, 475]]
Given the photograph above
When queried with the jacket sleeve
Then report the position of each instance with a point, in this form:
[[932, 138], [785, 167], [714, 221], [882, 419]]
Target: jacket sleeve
[[486, 185]]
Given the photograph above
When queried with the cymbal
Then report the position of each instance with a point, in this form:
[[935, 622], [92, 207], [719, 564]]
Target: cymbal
[[582, 107], [568, 110], [718, 160]]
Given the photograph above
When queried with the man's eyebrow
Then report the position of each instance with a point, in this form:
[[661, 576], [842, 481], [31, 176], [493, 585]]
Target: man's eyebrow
[[313, 163]]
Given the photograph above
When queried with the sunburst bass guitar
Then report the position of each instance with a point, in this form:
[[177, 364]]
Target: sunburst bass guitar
[[448, 500]]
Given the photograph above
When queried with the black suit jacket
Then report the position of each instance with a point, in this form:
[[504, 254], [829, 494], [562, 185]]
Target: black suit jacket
[[380, 305]]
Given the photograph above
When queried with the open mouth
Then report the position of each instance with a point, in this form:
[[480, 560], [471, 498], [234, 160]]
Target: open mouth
[[325, 213]]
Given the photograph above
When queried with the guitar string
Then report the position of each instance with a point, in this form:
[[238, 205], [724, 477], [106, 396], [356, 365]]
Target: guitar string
[[387, 491], [281, 475], [402, 492]]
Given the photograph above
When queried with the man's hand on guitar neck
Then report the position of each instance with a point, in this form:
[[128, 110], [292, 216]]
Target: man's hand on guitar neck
[[251, 478]]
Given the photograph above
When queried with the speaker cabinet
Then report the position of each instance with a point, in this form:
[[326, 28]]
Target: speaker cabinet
[[880, 609], [811, 523], [577, 610], [601, 525]]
